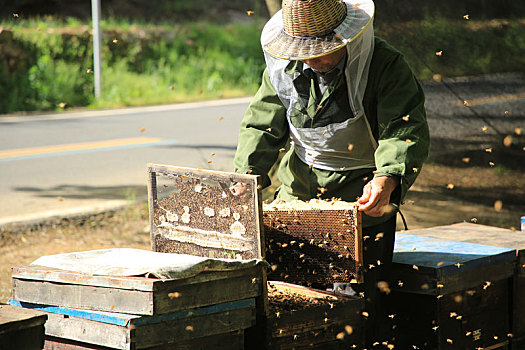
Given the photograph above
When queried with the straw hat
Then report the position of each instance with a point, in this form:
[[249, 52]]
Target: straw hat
[[306, 29]]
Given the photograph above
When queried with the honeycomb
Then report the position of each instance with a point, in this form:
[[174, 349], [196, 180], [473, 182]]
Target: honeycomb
[[313, 244]]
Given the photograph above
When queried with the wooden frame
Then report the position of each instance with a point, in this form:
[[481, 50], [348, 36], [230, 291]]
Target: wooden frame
[[252, 241]]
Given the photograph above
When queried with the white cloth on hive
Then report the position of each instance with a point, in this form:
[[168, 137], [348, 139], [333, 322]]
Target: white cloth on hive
[[136, 262]]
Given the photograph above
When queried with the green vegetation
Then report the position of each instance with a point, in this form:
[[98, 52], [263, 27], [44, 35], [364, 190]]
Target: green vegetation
[[46, 64]]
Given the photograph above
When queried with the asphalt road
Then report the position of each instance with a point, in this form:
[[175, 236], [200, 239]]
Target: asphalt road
[[78, 161]]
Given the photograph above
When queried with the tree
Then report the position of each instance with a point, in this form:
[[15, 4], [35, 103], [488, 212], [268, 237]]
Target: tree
[[273, 6]]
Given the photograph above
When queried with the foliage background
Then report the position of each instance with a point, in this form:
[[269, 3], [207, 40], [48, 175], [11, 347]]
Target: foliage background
[[174, 51]]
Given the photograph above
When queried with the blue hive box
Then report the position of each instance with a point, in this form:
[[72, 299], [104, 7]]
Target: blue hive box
[[450, 295]]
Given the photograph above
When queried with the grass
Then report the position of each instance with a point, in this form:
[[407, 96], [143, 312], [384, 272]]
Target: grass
[[145, 63]]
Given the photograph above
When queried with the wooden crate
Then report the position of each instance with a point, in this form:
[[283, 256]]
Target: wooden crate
[[133, 295], [450, 295], [21, 329], [336, 323], [493, 236], [130, 332]]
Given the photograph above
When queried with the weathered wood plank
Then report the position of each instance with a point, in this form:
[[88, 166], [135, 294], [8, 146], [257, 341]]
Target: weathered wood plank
[[84, 297], [169, 298], [87, 331], [127, 320], [40, 273], [141, 336]]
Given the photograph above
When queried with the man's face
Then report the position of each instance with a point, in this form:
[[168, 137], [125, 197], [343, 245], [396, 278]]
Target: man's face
[[327, 62]]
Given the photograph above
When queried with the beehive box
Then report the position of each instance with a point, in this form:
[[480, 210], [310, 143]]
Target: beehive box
[[192, 328], [21, 329], [304, 317], [493, 236], [450, 295], [314, 243], [133, 295]]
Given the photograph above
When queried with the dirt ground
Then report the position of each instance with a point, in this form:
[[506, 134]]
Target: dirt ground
[[442, 195]]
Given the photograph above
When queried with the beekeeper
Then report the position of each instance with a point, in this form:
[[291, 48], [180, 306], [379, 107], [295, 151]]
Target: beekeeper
[[354, 113]]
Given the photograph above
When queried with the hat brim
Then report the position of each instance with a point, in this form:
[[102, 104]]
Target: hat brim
[[281, 45]]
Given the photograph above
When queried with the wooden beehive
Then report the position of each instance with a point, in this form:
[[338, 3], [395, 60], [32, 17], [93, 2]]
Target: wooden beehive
[[133, 295], [314, 243], [21, 329], [493, 236], [450, 295], [304, 317], [70, 328]]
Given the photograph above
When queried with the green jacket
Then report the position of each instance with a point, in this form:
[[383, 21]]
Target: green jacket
[[394, 106]]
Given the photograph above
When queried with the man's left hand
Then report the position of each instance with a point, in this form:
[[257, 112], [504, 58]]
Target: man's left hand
[[376, 195]]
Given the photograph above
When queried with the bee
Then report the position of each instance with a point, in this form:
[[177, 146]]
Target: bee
[[439, 53], [250, 13]]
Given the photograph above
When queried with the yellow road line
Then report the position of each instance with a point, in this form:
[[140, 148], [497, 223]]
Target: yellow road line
[[76, 146], [494, 99]]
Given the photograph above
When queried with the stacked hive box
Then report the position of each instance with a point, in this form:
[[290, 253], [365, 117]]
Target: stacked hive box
[[493, 236], [450, 295], [139, 312], [315, 244], [191, 212], [196, 214]]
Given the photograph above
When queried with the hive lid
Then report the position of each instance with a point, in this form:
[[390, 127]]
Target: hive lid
[[445, 255]]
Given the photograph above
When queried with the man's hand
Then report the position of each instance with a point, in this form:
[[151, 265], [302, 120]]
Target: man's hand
[[376, 195], [239, 189]]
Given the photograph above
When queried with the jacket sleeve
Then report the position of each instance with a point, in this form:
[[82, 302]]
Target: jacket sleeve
[[263, 132], [402, 126]]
